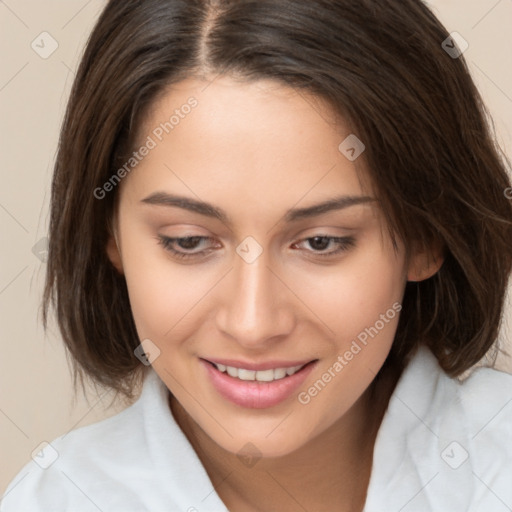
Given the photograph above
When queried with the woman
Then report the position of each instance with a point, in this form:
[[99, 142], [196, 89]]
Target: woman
[[289, 220]]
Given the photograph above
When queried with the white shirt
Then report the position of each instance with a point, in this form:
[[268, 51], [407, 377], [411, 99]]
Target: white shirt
[[443, 446]]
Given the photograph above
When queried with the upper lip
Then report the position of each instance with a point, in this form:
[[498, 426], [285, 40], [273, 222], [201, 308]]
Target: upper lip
[[267, 365]]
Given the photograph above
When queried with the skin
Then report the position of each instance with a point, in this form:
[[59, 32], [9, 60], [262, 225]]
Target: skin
[[236, 151]]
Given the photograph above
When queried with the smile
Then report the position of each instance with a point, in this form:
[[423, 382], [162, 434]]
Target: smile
[[261, 375], [265, 385]]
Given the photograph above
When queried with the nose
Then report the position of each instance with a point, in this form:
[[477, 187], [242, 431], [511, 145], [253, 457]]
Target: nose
[[255, 308]]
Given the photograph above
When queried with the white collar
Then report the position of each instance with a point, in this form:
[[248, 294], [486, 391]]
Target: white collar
[[432, 448]]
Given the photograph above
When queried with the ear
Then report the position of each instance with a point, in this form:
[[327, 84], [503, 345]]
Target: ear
[[114, 254], [424, 261]]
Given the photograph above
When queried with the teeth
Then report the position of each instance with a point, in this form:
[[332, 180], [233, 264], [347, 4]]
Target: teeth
[[261, 375], [233, 372], [293, 369], [244, 374], [279, 373]]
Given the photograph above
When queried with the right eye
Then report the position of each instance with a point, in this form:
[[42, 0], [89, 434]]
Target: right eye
[[187, 243]]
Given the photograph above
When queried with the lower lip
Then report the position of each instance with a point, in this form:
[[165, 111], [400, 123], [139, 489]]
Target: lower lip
[[255, 394]]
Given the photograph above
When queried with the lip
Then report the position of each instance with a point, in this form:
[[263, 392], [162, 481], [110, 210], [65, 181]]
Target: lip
[[267, 365], [254, 394]]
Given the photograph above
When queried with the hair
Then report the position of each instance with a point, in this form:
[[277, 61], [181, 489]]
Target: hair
[[430, 154]]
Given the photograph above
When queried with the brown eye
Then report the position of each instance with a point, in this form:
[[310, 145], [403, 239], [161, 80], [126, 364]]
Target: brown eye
[[320, 243], [187, 243]]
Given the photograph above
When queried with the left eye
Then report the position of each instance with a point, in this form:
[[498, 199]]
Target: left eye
[[319, 244], [187, 243]]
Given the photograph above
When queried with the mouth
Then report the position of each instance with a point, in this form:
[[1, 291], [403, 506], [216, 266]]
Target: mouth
[[259, 387], [268, 375]]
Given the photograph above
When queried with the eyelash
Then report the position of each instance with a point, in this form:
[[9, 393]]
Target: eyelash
[[344, 243]]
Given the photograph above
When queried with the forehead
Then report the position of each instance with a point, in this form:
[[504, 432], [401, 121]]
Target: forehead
[[260, 142]]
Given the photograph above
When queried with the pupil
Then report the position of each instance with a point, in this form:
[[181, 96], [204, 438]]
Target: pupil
[[323, 245], [189, 243]]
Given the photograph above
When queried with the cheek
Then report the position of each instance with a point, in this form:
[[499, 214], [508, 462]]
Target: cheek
[[361, 304], [161, 293], [353, 295]]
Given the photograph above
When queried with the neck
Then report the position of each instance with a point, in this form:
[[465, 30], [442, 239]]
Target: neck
[[330, 472]]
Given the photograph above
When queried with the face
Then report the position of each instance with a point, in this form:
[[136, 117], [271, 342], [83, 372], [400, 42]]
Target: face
[[230, 266]]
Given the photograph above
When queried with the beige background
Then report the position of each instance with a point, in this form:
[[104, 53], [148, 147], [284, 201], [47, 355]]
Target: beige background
[[36, 400]]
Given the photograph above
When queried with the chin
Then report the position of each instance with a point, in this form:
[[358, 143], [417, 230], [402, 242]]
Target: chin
[[258, 448]]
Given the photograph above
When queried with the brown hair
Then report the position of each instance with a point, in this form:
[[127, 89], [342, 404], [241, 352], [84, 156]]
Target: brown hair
[[380, 64]]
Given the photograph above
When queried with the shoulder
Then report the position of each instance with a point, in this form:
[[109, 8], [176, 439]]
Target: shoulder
[[482, 404], [477, 409], [491, 390], [137, 460], [481, 400], [68, 472], [474, 438], [441, 435]]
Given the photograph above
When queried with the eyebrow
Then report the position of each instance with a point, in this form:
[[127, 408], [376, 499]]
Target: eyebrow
[[294, 214]]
